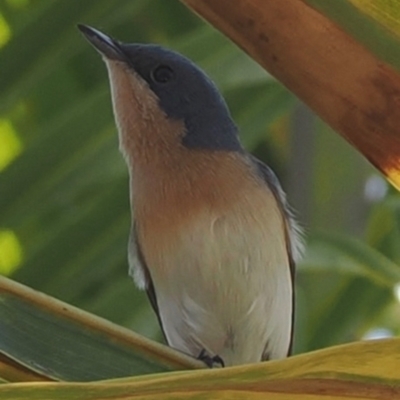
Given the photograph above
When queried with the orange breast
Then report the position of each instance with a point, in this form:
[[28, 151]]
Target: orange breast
[[198, 189]]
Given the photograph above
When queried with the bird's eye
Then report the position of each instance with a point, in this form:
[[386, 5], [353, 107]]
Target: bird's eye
[[162, 74]]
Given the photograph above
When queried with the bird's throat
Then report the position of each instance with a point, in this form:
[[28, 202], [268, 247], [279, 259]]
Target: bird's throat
[[146, 135]]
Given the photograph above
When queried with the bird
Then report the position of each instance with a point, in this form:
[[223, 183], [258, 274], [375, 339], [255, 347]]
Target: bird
[[213, 240]]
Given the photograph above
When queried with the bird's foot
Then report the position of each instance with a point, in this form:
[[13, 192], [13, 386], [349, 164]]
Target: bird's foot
[[211, 362]]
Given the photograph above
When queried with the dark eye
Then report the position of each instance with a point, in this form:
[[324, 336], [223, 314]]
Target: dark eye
[[162, 74]]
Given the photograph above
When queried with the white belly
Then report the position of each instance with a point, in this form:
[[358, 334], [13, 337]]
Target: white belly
[[227, 287]]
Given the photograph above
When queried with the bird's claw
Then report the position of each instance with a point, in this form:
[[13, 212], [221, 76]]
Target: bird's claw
[[211, 362]]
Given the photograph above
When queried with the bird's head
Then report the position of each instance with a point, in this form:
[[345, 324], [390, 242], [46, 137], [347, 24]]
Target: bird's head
[[162, 98]]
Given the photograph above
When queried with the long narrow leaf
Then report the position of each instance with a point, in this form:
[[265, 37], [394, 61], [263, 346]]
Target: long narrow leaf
[[363, 370], [55, 340]]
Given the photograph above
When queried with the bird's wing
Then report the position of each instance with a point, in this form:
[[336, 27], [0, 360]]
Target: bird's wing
[[140, 273], [293, 232], [294, 243]]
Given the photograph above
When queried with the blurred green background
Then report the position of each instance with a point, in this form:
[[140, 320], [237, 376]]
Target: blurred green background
[[64, 212]]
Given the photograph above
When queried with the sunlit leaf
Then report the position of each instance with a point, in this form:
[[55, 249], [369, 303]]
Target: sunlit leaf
[[361, 370]]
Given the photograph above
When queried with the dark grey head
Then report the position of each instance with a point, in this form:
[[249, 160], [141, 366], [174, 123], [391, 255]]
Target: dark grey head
[[184, 90]]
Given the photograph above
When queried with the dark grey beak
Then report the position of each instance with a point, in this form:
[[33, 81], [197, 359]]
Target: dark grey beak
[[105, 45]]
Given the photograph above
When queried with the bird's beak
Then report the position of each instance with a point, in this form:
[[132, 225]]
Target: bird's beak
[[105, 45]]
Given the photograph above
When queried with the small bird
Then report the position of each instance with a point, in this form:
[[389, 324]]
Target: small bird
[[213, 241]]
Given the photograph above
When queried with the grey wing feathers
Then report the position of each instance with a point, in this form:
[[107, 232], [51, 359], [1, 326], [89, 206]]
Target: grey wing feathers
[[294, 242], [295, 239]]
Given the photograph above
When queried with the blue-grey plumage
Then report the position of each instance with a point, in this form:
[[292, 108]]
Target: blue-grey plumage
[[213, 242]]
